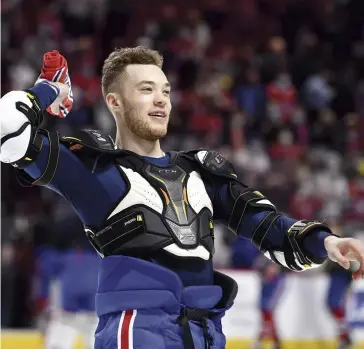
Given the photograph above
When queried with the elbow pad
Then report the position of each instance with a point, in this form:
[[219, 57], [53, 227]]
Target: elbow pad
[[21, 115], [21, 140], [292, 256]]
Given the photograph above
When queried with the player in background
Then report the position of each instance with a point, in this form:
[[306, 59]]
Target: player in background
[[246, 256], [339, 286], [71, 264], [272, 283]]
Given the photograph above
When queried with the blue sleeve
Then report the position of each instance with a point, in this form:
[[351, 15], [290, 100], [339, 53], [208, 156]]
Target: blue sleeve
[[91, 194], [45, 93], [312, 244], [69, 171]]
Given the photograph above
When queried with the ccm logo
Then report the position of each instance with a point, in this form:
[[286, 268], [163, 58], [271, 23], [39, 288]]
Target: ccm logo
[[167, 171]]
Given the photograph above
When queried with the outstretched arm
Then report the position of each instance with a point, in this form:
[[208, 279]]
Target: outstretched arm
[[33, 150], [297, 245], [259, 221]]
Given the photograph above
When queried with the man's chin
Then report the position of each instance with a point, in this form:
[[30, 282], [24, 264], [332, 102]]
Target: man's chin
[[157, 135], [153, 135], [158, 131]]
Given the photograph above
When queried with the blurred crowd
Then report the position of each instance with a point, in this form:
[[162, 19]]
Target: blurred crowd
[[276, 85]]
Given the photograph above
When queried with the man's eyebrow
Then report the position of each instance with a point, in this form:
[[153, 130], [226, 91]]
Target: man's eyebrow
[[148, 82]]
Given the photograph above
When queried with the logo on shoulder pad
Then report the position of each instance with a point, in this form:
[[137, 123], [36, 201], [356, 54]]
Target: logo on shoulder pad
[[167, 171], [98, 136], [219, 159]]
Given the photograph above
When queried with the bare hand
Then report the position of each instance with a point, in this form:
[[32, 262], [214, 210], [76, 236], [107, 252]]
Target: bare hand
[[344, 250]]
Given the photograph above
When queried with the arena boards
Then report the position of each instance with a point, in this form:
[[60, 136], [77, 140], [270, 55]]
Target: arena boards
[[33, 340], [301, 319]]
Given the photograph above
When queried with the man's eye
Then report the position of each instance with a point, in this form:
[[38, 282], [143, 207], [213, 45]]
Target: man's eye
[[167, 92], [146, 89]]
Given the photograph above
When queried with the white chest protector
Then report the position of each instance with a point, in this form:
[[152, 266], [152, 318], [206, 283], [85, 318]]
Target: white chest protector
[[181, 200], [164, 208]]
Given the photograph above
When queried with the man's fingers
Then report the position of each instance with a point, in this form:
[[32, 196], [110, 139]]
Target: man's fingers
[[356, 253], [336, 256]]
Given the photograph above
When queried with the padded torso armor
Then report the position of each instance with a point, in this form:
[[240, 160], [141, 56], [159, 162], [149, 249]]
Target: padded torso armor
[[168, 208], [164, 208]]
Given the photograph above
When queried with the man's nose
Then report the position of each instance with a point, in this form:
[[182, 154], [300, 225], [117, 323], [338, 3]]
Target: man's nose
[[160, 100]]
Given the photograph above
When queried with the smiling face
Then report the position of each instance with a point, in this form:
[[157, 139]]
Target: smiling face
[[141, 101], [145, 94]]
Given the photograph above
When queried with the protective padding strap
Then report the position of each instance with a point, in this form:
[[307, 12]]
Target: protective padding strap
[[293, 253], [263, 228], [52, 162], [242, 203]]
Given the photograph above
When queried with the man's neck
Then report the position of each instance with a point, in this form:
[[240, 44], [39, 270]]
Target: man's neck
[[142, 147]]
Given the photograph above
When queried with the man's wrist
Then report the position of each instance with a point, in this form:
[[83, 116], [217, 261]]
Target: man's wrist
[[46, 93], [330, 238]]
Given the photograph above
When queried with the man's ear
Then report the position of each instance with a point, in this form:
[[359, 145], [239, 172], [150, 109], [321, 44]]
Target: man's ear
[[113, 101]]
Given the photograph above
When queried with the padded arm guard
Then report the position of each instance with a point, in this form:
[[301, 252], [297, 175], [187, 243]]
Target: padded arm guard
[[22, 140], [243, 198], [21, 115], [92, 142], [292, 256], [34, 148]]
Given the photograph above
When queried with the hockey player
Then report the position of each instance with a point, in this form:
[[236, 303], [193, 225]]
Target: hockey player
[[271, 290], [246, 256], [339, 285], [150, 214], [72, 265]]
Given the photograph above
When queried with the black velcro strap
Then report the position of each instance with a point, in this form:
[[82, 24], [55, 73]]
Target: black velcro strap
[[29, 112], [263, 228], [295, 257], [297, 232], [50, 170], [15, 134], [241, 203], [199, 315], [289, 255], [274, 258], [123, 229], [187, 335], [297, 249], [33, 151], [34, 113], [52, 162]]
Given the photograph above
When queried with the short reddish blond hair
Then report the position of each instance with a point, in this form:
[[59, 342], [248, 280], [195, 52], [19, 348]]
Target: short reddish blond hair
[[117, 61]]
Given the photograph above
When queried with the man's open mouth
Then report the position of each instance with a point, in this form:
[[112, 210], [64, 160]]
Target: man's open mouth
[[158, 114]]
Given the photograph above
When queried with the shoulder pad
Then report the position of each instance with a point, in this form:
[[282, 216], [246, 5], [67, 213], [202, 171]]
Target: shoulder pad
[[89, 139], [214, 162]]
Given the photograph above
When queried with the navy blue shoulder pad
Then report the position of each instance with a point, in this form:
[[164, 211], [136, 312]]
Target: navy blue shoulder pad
[[88, 139]]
